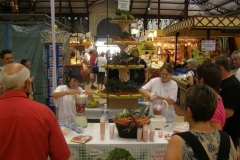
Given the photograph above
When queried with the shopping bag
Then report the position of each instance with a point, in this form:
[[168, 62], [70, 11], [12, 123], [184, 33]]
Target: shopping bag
[[95, 69]]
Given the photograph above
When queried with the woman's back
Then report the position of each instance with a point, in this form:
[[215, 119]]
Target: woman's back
[[210, 142]]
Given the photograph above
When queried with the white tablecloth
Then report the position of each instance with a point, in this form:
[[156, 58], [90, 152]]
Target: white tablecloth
[[97, 148], [93, 129]]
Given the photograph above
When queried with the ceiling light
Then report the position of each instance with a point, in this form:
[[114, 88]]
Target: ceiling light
[[148, 8]]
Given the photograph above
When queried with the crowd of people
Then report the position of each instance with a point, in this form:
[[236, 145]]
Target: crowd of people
[[216, 74], [211, 107]]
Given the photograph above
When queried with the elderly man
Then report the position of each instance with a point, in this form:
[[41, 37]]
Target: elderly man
[[192, 67], [236, 61], [29, 130]]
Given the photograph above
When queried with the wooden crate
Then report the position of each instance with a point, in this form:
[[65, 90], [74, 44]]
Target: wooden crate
[[123, 103]]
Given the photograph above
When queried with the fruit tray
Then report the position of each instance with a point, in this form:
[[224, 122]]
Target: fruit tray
[[112, 66], [119, 96]]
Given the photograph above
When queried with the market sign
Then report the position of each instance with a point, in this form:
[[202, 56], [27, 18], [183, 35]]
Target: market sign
[[123, 5], [208, 45]]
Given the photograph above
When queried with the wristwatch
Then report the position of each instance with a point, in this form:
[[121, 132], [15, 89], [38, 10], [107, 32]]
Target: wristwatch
[[30, 93]]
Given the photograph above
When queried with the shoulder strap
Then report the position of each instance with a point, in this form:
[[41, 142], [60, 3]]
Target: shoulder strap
[[96, 62], [192, 73], [194, 143], [224, 148]]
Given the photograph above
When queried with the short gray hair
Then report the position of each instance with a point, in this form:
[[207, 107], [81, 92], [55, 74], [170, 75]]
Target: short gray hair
[[237, 52], [13, 81], [193, 62]]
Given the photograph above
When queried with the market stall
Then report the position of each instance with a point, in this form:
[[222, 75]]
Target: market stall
[[99, 149], [182, 86]]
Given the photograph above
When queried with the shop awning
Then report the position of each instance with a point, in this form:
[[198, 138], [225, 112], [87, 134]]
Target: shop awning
[[204, 22]]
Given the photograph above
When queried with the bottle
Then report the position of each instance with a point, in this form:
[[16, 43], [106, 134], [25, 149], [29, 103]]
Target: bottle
[[105, 114]]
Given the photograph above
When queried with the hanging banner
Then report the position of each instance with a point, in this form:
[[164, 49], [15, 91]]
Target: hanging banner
[[208, 45], [123, 5]]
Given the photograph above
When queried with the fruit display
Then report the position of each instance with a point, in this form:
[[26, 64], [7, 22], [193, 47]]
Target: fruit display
[[122, 15], [155, 64], [117, 89], [124, 36], [123, 61], [92, 104], [132, 119]]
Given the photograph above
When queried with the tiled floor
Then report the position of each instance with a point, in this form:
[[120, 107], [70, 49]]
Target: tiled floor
[[88, 88]]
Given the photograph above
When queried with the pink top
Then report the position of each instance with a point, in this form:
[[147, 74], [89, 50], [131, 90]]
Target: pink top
[[219, 115]]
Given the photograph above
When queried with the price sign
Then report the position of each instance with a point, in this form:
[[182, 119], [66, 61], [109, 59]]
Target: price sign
[[208, 45], [123, 5]]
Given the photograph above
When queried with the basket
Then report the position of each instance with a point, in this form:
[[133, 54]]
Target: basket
[[124, 133]]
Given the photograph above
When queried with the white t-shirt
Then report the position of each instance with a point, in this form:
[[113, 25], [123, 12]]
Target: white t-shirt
[[100, 61], [64, 104], [238, 74], [190, 74], [168, 90]]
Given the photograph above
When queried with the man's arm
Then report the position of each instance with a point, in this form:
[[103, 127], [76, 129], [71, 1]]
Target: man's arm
[[57, 95], [229, 112], [146, 74], [30, 89], [230, 97]]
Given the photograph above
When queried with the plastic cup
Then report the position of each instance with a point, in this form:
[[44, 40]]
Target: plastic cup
[[160, 134], [111, 131]]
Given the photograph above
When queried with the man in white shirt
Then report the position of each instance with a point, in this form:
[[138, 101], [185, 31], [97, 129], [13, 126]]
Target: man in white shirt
[[236, 61]]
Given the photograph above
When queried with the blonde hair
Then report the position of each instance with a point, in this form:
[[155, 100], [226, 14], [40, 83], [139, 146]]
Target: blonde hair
[[14, 81]]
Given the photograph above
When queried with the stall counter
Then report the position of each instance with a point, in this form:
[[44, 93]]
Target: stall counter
[[182, 86], [99, 149]]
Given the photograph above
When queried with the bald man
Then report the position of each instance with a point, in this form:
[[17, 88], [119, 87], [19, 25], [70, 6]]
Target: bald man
[[29, 130]]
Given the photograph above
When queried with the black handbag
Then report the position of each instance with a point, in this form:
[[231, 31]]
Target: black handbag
[[95, 68]]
